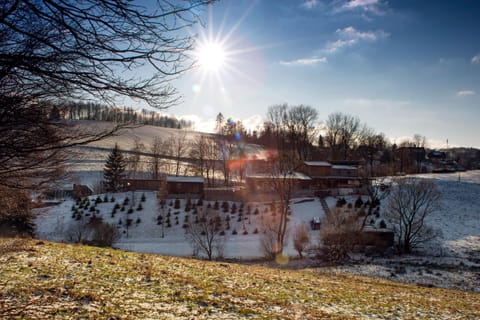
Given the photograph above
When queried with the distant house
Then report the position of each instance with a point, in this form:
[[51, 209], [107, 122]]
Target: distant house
[[325, 175], [81, 191], [185, 185], [142, 184], [262, 182], [74, 191], [317, 168]]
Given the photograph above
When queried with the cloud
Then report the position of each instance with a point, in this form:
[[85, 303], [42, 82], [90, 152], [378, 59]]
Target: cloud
[[309, 4], [465, 93], [476, 59], [375, 6], [304, 61], [350, 36], [375, 103]]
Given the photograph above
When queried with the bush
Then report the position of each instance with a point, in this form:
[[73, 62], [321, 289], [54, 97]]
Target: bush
[[341, 202], [358, 202], [140, 207], [177, 204], [104, 234], [234, 232], [143, 198]]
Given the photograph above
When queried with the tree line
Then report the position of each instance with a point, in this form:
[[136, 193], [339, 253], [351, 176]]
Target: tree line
[[78, 110]]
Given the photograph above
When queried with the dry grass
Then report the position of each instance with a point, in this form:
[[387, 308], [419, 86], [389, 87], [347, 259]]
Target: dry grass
[[58, 281]]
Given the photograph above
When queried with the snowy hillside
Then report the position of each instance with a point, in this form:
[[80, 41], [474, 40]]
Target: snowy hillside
[[459, 220], [241, 226]]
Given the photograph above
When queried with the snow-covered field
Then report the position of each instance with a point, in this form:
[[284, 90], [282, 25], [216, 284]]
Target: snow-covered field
[[55, 223], [455, 255]]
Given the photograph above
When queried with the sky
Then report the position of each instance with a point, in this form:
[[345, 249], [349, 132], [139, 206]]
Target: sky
[[404, 67]]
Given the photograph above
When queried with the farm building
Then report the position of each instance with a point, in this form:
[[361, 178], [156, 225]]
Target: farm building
[[185, 185], [142, 184]]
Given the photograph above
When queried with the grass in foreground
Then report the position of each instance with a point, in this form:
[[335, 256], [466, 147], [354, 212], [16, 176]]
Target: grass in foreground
[[40, 280]]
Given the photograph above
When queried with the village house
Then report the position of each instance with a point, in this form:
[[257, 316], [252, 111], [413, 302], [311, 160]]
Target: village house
[[262, 182], [313, 176], [185, 185], [325, 175]]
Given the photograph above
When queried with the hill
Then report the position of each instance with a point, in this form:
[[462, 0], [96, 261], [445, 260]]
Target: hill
[[42, 280]]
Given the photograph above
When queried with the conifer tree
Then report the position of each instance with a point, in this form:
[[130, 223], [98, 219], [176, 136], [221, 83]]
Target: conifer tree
[[114, 171]]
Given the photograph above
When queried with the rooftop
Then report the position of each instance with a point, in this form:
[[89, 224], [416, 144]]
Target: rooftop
[[318, 163], [292, 175], [185, 179]]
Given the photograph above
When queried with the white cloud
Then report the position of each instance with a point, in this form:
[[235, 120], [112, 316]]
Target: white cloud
[[304, 61], [465, 93], [350, 36], [310, 4], [352, 33], [254, 122], [375, 6], [476, 59], [375, 103], [359, 3]]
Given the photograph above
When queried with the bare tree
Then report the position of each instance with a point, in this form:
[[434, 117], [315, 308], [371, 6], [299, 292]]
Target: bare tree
[[156, 150], [301, 126], [269, 243], [207, 235], [134, 163], [177, 149], [340, 232], [293, 127], [58, 48], [411, 201], [283, 182], [301, 238], [213, 156], [225, 149], [342, 131], [52, 50], [15, 214], [199, 153]]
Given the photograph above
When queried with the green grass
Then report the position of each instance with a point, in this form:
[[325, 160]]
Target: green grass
[[43, 280]]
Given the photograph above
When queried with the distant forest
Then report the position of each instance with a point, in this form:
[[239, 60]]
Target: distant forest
[[99, 112]]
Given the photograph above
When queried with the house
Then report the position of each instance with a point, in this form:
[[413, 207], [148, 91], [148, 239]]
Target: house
[[316, 168], [325, 175], [263, 182], [142, 184], [185, 185]]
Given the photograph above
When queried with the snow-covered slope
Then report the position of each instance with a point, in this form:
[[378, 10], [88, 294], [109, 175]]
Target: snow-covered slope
[[55, 223], [458, 219]]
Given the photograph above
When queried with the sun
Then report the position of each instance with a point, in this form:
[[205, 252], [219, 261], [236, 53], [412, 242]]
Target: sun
[[211, 56]]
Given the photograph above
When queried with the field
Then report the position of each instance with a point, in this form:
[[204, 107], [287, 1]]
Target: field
[[42, 280]]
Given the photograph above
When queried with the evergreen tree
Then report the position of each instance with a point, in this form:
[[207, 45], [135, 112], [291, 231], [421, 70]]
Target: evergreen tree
[[114, 171]]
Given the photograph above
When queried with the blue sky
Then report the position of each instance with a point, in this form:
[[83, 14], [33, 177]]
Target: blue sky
[[404, 66]]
